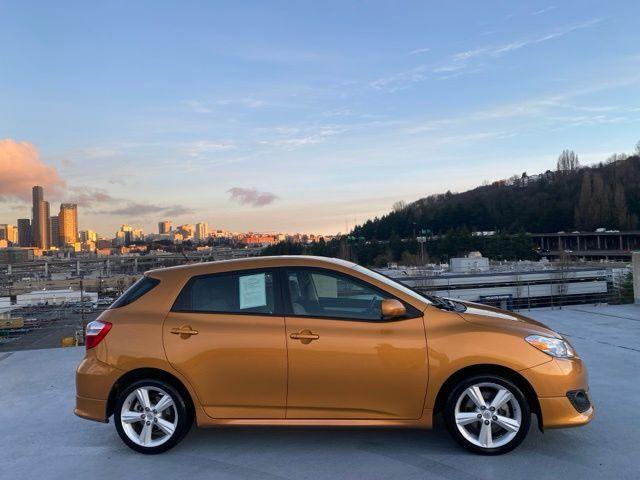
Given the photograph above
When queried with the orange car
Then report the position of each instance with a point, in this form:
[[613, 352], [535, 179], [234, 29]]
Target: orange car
[[316, 341]]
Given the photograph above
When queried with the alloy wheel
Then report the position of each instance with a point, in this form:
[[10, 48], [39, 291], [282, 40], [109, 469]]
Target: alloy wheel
[[488, 415], [149, 416]]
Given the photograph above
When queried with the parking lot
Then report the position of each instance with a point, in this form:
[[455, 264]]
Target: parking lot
[[41, 438]]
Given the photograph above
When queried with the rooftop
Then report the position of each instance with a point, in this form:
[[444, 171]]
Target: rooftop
[[41, 438]]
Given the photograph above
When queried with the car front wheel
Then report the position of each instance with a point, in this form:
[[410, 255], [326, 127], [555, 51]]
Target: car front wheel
[[151, 416], [487, 414]]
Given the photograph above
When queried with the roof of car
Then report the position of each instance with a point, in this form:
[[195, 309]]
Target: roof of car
[[252, 262]]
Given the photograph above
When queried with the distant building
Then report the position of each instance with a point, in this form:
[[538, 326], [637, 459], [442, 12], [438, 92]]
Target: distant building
[[259, 239], [186, 231], [40, 220], [474, 262], [54, 231], [164, 227], [202, 231], [12, 234], [88, 236], [24, 232], [103, 243], [3, 231], [137, 235], [124, 236], [16, 255], [68, 224]]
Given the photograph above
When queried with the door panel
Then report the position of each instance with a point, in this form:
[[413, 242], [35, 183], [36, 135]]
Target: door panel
[[237, 364], [357, 369]]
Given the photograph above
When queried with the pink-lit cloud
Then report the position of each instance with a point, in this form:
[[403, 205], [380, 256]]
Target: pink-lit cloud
[[251, 196], [146, 209], [21, 169], [88, 197]]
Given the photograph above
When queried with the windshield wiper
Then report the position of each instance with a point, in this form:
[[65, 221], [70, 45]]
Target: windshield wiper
[[445, 303]]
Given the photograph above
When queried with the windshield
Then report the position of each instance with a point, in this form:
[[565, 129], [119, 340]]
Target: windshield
[[392, 283], [439, 302]]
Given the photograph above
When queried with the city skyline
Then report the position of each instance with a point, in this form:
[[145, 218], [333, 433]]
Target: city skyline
[[45, 231], [261, 118]]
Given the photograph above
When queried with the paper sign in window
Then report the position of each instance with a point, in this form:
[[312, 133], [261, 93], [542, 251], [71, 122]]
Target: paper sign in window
[[253, 291]]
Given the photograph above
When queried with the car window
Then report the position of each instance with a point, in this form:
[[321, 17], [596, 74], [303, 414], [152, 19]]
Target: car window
[[392, 283], [326, 294], [135, 291], [251, 292]]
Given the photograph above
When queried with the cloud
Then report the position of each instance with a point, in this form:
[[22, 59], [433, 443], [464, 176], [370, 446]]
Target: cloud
[[144, 209], [400, 81], [197, 107], [296, 137], [544, 10], [202, 147], [251, 196], [500, 50], [245, 102], [178, 210], [21, 169], [88, 196], [418, 51]]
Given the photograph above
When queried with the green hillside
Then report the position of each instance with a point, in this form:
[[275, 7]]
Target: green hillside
[[606, 195]]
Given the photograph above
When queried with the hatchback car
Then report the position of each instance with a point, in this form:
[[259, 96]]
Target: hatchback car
[[316, 341]]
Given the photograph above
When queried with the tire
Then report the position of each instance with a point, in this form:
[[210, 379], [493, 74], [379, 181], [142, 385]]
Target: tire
[[474, 425], [159, 430]]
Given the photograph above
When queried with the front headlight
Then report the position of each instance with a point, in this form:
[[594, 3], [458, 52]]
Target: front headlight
[[555, 347]]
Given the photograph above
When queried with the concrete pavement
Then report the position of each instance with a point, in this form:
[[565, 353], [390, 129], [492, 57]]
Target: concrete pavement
[[41, 438]]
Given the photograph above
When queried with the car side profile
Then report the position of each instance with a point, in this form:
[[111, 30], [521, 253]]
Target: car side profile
[[298, 340]]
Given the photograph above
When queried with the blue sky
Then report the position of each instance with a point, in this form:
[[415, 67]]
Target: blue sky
[[318, 114]]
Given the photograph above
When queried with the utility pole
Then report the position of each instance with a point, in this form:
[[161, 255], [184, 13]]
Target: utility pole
[[421, 240], [84, 325]]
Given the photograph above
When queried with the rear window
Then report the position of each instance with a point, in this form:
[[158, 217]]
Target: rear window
[[135, 291], [251, 292]]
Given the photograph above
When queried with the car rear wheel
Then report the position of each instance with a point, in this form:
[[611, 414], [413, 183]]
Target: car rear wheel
[[151, 416], [487, 414]]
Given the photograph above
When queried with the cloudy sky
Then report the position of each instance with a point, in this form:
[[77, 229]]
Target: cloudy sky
[[301, 116]]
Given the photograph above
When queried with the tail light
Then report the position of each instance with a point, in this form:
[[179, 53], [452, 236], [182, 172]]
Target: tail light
[[96, 331]]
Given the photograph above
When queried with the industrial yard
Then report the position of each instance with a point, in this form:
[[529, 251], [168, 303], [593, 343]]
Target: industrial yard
[[40, 308], [607, 338]]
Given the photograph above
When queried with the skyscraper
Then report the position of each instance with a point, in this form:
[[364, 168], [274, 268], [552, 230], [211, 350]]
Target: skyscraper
[[40, 220], [68, 221], [164, 227], [24, 232], [54, 231], [202, 231]]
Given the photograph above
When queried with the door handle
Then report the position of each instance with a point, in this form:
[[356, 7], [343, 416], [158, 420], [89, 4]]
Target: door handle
[[184, 331], [305, 336]]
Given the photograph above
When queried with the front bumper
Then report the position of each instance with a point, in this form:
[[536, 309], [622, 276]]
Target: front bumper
[[94, 380], [552, 381], [558, 412]]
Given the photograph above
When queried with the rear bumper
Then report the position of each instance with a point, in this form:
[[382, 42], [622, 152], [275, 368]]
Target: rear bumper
[[91, 409], [94, 380]]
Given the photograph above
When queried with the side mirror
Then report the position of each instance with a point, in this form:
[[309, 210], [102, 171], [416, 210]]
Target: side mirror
[[392, 308]]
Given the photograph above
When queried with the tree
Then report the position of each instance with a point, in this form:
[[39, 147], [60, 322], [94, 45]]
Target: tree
[[638, 148], [618, 157], [399, 206], [568, 161]]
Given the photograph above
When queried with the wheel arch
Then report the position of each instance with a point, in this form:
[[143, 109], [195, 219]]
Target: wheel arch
[[491, 369], [148, 373]]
